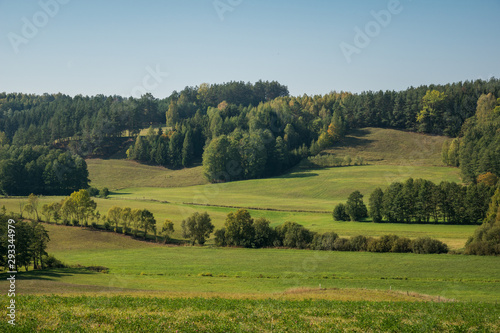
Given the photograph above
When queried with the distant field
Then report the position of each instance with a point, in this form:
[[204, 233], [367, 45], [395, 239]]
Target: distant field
[[393, 147], [135, 266], [118, 174], [317, 190]]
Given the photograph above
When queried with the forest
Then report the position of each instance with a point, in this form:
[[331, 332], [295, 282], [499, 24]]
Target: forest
[[259, 127]]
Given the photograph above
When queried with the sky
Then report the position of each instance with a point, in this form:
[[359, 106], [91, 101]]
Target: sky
[[130, 47]]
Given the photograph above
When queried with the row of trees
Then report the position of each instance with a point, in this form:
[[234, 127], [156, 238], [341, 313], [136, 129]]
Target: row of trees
[[240, 229], [40, 170], [477, 149], [420, 201], [30, 241]]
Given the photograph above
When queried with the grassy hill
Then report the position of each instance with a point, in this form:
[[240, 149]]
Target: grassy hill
[[391, 147], [121, 173]]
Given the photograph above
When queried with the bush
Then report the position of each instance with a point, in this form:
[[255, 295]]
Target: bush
[[294, 235], [339, 213], [324, 242], [342, 244], [382, 244], [75, 222], [427, 245], [401, 245], [104, 193], [51, 262], [107, 225], [93, 192], [358, 243]]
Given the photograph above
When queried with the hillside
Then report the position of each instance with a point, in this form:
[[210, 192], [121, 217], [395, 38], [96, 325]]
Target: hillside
[[391, 147], [118, 174], [377, 146]]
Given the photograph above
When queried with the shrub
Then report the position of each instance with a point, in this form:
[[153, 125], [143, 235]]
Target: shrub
[[51, 262], [324, 242], [75, 222], [382, 244], [294, 235], [93, 192], [427, 245], [107, 225], [401, 245], [342, 244], [358, 243], [104, 193]]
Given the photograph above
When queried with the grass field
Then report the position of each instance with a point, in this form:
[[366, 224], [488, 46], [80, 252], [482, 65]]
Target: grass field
[[118, 174], [391, 147], [317, 190], [146, 314], [135, 266]]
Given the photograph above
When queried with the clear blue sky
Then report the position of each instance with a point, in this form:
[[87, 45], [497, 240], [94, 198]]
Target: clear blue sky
[[106, 47]]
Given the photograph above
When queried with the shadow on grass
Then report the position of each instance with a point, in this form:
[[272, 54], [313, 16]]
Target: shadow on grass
[[354, 139], [300, 175], [48, 274]]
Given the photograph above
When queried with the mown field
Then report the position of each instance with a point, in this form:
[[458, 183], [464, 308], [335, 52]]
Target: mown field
[[139, 314]]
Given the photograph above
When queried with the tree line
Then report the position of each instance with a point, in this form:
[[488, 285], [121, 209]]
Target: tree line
[[420, 201], [241, 230], [41, 170]]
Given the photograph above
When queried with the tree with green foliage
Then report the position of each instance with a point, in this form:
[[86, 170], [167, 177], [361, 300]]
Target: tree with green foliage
[[167, 229], [264, 235], [147, 222], [432, 110], [115, 216], [294, 235], [376, 202], [126, 219], [197, 227], [355, 207], [239, 229], [187, 149], [339, 213]]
